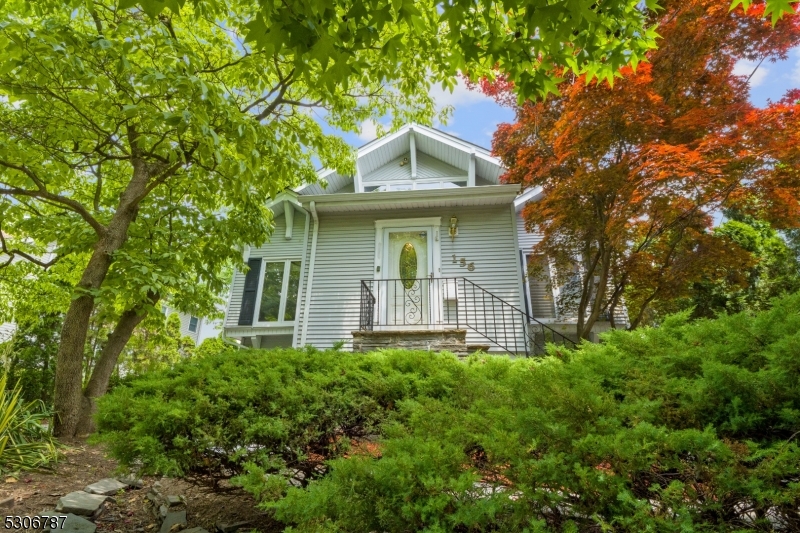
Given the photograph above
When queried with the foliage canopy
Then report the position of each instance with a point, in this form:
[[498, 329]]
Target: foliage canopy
[[143, 145], [632, 174]]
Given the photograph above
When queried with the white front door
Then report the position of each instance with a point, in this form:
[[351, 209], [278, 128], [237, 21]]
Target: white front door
[[407, 256], [408, 263]]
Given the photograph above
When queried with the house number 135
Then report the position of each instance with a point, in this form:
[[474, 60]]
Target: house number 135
[[463, 262]]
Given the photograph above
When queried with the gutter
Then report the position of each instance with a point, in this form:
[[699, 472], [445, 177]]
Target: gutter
[[313, 208]]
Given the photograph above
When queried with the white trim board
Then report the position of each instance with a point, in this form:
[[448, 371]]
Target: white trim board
[[412, 130], [489, 195]]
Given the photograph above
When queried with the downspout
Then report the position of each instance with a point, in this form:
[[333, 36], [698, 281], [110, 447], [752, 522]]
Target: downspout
[[313, 207]]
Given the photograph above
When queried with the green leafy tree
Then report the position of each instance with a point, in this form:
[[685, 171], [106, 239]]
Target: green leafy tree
[[146, 142], [156, 344], [793, 241], [35, 299], [775, 271], [107, 105], [30, 358]]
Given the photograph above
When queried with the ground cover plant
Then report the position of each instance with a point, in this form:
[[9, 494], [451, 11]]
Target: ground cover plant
[[25, 442], [692, 426]]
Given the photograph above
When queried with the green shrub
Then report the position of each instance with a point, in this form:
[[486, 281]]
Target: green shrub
[[25, 443], [228, 412], [211, 346], [688, 427]]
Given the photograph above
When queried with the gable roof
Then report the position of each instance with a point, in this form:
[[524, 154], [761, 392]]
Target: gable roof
[[446, 149]]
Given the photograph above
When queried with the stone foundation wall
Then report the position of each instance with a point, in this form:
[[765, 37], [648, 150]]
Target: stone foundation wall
[[450, 340]]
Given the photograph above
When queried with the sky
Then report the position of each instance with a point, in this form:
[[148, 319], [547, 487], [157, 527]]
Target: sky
[[475, 116], [771, 80]]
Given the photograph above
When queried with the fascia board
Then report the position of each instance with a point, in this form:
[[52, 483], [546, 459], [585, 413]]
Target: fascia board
[[531, 195], [377, 143], [364, 198], [454, 142]]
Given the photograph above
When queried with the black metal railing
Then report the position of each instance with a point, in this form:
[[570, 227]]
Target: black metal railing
[[454, 303]]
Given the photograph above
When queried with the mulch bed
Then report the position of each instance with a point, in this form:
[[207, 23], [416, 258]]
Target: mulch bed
[[83, 464]]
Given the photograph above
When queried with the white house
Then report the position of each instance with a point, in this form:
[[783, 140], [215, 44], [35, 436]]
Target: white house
[[197, 328], [424, 237]]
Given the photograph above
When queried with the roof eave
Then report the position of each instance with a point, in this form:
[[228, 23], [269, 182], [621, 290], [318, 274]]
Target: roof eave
[[483, 195]]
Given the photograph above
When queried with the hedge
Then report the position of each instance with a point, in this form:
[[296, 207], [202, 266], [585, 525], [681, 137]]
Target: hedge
[[687, 427]]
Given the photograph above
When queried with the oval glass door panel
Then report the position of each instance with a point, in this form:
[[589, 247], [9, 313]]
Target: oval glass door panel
[[407, 261], [408, 265]]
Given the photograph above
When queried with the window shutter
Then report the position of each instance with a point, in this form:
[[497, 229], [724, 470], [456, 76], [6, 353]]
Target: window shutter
[[248, 308]]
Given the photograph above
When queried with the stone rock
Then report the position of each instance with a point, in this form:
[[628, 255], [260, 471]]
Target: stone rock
[[80, 503], [72, 524], [106, 487], [450, 340], [173, 518], [175, 501], [231, 528], [131, 481]]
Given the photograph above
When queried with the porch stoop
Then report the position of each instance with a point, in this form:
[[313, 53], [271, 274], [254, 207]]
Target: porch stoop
[[418, 313], [450, 340]]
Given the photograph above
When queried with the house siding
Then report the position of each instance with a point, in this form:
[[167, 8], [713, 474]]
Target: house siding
[[185, 319], [346, 254], [7, 331], [427, 167], [485, 238], [542, 306], [526, 240], [541, 302]]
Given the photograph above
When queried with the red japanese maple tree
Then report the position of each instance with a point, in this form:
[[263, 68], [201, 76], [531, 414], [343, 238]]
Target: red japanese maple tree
[[633, 174]]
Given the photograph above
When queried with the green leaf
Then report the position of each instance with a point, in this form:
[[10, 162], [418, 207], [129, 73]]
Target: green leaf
[[130, 110]]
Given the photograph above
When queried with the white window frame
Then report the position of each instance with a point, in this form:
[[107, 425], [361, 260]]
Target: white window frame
[[413, 183], [287, 265]]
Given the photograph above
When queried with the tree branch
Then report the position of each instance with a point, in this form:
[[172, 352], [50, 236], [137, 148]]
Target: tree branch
[[281, 87], [43, 193], [224, 66], [11, 253], [98, 190]]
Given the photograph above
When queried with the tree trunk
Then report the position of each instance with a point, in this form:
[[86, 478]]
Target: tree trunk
[[587, 289], [69, 360], [104, 368], [68, 396], [598, 293]]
